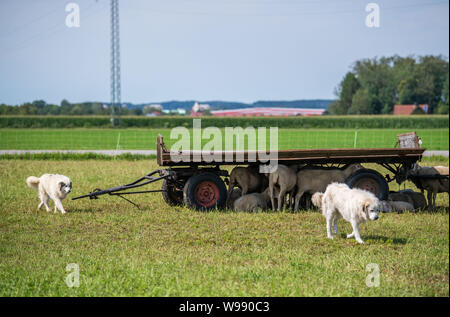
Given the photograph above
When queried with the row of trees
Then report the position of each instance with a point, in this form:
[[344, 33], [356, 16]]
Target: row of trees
[[374, 86], [40, 107]]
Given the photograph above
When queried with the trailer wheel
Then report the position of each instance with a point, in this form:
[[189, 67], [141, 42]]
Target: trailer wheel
[[171, 195], [371, 181], [205, 191]]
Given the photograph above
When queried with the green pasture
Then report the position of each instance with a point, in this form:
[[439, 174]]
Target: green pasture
[[173, 251], [145, 139]]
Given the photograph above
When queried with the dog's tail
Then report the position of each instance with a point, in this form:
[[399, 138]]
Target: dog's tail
[[33, 182]]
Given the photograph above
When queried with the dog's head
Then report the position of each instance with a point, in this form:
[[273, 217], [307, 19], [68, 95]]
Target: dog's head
[[371, 208], [316, 199], [65, 187]]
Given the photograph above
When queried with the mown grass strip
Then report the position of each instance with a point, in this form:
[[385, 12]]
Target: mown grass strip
[[76, 157]]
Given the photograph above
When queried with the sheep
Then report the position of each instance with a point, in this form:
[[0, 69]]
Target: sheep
[[253, 202], [422, 177], [416, 199], [398, 206], [443, 170], [285, 178], [235, 194], [398, 196], [248, 179], [316, 180], [428, 170]]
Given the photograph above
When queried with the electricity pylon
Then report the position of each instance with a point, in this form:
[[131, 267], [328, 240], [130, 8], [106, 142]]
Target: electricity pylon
[[115, 63]]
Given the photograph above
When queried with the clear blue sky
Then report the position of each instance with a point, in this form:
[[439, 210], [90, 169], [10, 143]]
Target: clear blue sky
[[235, 50]]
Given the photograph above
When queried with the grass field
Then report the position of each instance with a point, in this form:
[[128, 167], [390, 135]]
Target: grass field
[[145, 139], [173, 251]]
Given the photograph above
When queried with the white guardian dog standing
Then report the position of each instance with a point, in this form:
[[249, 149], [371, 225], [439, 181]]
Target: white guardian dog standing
[[354, 205], [53, 186]]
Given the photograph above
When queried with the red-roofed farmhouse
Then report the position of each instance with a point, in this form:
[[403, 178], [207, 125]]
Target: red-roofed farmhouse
[[408, 109]]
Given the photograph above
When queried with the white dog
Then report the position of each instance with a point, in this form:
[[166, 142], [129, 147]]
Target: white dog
[[53, 186], [354, 205]]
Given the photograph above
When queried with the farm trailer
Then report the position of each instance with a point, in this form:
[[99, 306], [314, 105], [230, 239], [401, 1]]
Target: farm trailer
[[198, 183]]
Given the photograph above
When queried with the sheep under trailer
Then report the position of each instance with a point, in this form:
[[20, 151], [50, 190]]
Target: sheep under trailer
[[198, 183]]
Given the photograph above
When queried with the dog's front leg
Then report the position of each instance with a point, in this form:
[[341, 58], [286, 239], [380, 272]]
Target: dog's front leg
[[329, 223], [355, 226], [59, 205], [335, 225]]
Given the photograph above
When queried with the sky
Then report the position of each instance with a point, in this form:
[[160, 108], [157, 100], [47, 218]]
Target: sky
[[233, 50]]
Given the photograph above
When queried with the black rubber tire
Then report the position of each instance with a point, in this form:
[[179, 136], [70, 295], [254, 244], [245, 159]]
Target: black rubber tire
[[191, 189], [374, 180], [170, 195]]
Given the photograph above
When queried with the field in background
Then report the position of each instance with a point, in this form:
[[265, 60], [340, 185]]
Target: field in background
[[145, 139], [314, 122], [174, 251]]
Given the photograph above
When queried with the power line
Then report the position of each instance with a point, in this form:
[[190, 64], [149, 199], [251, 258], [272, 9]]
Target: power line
[[8, 33], [299, 12], [52, 30]]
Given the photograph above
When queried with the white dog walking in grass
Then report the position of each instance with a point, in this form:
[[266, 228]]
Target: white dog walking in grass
[[53, 186], [354, 205]]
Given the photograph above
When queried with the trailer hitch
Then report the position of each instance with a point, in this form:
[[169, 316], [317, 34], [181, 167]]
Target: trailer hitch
[[121, 190]]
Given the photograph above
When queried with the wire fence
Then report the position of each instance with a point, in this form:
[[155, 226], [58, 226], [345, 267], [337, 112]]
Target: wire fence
[[145, 139]]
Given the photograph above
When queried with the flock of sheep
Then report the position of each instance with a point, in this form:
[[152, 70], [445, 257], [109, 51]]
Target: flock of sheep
[[288, 184]]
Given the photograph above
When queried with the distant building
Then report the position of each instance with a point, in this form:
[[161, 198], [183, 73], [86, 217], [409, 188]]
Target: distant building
[[400, 110], [153, 114], [274, 111], [200, 107], [155, 107], [178, 111]]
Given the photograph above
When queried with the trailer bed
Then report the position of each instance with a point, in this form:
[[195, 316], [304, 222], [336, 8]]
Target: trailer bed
[[301, 156]]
